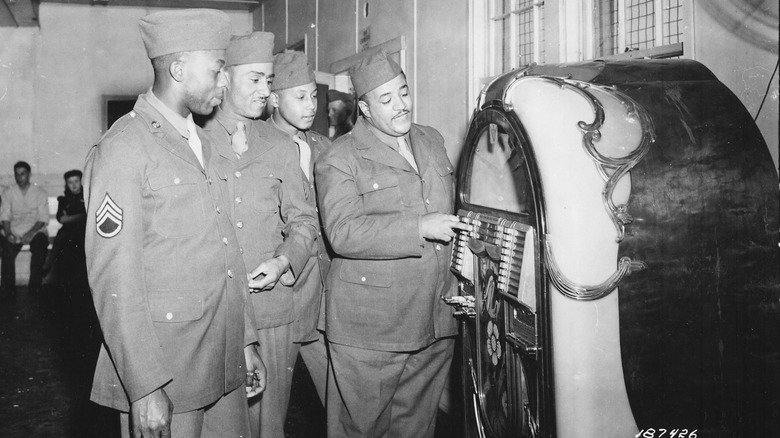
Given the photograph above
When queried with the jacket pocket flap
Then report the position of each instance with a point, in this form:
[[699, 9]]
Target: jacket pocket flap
[[357, 276], [176, 308], [376, 182], [443, 167], [157, 182]]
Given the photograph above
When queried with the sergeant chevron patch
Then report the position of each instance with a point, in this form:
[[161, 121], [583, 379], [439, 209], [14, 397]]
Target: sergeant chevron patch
[[108, 218]]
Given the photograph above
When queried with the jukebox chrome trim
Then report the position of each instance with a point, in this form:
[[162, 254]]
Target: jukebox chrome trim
[[610, 169], [587, 293]]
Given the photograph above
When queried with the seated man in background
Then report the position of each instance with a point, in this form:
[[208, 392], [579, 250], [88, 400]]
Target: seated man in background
[[24, 214], [66, 264]]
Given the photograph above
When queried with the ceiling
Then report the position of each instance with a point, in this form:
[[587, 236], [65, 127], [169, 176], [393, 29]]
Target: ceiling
[[21, 13]]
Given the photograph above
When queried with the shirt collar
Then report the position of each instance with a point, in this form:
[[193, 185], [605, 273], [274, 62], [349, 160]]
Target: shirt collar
[[175, 119], [299, 134], [229, 121]]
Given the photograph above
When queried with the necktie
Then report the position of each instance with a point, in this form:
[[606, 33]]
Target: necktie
[[238, 139], [194, 141], [406, 152], [305, 155]]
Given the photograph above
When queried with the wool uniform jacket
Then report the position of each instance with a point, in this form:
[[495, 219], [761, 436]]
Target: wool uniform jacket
[[309, 289], [167, 278], [385, 283], [268, 208]]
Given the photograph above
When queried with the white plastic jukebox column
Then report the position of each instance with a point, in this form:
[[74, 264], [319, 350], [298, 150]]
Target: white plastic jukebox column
[[585, 140]]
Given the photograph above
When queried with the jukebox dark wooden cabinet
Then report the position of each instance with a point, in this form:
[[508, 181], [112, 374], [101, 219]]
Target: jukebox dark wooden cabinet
[[622, 277]]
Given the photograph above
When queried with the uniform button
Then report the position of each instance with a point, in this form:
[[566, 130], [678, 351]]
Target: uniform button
[[376, 186], [240, 224], [427, 201], [362, 278], [317, 209], [169, 316], [218, 210], [438, 247], [237, 174], [209, 180], [224, 240], [238, 200], [230, 273], [311, 186], [319, 233], [176, 180], [241, 250]]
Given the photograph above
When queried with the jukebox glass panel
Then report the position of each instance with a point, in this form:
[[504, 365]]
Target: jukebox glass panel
[[499, 178]]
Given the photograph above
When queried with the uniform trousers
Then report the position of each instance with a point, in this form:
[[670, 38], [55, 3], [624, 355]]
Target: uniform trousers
[[382, 394], [268, 412], [225, 418], [38, 250], [315, 356]]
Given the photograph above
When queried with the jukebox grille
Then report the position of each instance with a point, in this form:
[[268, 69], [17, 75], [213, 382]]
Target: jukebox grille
[[502, 239]]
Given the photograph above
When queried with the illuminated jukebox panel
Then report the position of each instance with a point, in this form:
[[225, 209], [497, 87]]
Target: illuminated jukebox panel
[[497, 259], [622, 272]]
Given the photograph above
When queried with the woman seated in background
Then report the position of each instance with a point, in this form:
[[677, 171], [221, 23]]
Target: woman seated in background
[[67, 262]]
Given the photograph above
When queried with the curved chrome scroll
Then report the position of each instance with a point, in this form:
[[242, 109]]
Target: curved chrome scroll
[[587, 293], [611, 171]]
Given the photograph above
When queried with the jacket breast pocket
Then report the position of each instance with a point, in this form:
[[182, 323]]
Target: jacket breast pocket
[[264, 190], [381, 193], [445, 171], [178, 205], [176, 307]]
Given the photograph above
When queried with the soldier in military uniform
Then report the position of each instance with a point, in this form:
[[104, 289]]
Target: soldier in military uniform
[[386, 194], [275, 225], [294, 99], [167, 278]]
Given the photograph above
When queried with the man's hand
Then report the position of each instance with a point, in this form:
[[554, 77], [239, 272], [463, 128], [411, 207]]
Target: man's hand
[[255, 371], [150, 416], [440, 227], [267, 274]]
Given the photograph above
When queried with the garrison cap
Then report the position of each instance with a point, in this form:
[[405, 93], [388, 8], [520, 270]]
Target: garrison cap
[[253, 48], [373, 71], [184, 30], [336, 95], [291, 69]]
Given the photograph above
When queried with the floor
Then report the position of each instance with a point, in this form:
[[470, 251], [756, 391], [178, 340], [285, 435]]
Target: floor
[[48, 348]]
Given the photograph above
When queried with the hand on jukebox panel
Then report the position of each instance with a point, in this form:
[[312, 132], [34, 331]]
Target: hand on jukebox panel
[[439, 227]]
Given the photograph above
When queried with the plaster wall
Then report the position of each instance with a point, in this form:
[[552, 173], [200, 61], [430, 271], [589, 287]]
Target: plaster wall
[[53, 80], [742, 52]]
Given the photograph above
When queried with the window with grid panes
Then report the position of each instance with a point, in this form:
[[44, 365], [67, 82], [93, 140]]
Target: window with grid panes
[[516, 33], [627, 25]]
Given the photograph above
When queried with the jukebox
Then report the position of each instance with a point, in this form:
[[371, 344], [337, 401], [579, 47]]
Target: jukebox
[[622, 277]]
